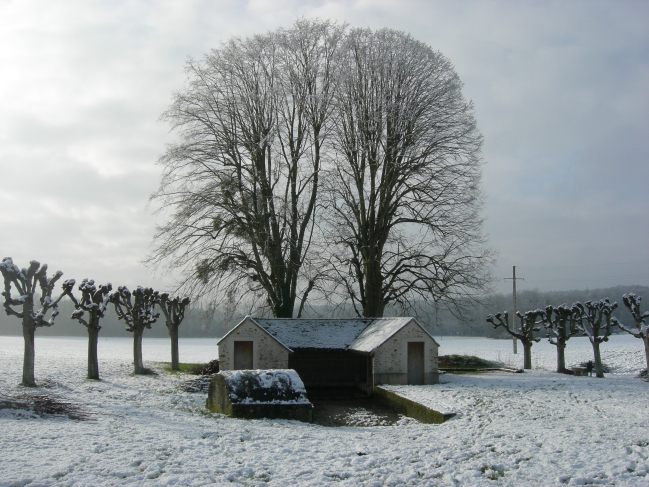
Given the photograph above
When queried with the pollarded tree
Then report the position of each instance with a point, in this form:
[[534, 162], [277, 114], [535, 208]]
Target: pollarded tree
[[404, 192], [632, 303], [527, 329], [174, 312], [595, 322], [560, 324], [137, 311], [94, 301], [26, 282], [243, 181]]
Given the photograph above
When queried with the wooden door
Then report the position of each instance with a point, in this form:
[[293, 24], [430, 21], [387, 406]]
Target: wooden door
[[416, 363], [242, 355]]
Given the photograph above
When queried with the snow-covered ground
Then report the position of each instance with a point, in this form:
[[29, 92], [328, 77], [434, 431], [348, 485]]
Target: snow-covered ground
[[536, 428]]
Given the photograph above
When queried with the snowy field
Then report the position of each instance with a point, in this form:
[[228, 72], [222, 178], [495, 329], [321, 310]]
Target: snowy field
[[536, 428]]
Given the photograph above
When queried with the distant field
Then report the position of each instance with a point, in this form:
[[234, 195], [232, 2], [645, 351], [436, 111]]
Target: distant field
[[623, 352]]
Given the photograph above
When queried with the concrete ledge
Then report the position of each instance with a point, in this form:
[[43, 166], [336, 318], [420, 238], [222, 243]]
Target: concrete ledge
[[410, 408], [401, 379]]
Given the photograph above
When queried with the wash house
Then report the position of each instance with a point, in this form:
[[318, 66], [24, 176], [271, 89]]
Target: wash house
[[335, 353]]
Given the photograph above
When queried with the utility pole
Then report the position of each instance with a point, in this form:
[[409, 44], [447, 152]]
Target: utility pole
[[513, 278]]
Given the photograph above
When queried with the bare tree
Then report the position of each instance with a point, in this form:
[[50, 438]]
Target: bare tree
[[560, 324], [404, 194], [595, 322], [242, 183], [94, 301], [174, 312], [25, 282], [632, 303], [525, 333], [137, 312]]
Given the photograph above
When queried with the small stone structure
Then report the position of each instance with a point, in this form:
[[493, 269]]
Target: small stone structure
[[259, 394], [354, 353]]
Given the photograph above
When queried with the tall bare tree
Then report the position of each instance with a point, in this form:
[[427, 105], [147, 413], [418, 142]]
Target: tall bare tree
[[404, 192], [632, 303], [595, 322], [242, 182], [26, 282], [560, 324], [174, 313], [137, 311], [94, 301], [525, 333]]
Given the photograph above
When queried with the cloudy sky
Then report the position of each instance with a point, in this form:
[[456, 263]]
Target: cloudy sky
[[561, 93]]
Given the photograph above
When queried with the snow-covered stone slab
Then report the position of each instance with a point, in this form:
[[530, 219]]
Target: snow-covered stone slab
[[391, 396], [259, 394]]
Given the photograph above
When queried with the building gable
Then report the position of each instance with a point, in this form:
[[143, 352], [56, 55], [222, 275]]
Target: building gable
[[249, 319], [381, 330]]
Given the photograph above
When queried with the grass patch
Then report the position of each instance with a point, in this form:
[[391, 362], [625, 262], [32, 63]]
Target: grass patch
[[465, 362], [193, 369], [145, 371], [166, 366]]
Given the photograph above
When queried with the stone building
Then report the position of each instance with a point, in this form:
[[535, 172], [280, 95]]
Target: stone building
[[358, 353]]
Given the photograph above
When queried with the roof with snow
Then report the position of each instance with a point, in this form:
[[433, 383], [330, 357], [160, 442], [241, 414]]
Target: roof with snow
[[359, 334]]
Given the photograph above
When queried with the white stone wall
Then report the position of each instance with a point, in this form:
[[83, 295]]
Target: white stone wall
[[267, 353], [391, 358]]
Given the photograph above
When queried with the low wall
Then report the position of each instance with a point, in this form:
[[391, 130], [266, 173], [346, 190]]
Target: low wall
[[410, 408]]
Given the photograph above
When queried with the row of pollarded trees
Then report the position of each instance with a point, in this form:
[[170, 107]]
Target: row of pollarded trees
[[322, 162], [592, 319], [137, 309]]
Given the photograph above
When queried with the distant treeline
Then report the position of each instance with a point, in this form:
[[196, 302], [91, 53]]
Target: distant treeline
[[475, 323], [440, 322]]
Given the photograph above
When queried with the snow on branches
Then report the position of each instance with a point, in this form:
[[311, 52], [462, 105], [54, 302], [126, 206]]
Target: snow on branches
[[25, 281], [94, 300], [137, 313]]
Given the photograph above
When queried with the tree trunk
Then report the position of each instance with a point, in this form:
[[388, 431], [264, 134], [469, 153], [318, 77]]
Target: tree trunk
[[173, 334], [93, 362], [284, 308], [527, 355], [645, 339], [373, 306], [137, 351], [598, 360], [28, 357], [561, 355]]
